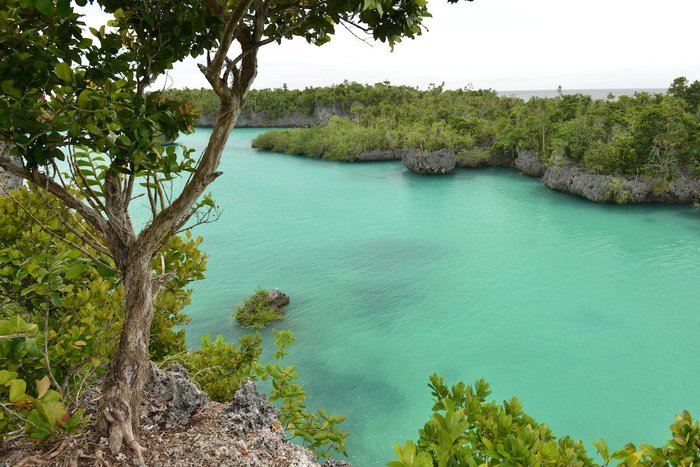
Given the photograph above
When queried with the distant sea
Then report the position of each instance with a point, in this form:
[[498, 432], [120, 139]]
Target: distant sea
[[594, 93]]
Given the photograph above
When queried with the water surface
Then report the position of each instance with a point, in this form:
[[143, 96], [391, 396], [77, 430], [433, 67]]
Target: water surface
[[588, 313]]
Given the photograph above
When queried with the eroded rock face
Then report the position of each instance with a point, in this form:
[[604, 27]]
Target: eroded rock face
[[253, 421], [278, 300], [172, 397], [440, 162], [482, 157], [569, 178], [529, 163], [250, 410], [244, 433], [322, 114]]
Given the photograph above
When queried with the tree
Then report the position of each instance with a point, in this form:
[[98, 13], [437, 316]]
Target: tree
[[74, 107]]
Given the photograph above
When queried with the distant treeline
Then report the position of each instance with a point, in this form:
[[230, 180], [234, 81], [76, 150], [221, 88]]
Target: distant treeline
[[645, 133], [275, 103]]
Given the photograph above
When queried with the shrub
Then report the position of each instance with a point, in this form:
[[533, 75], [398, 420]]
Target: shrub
[[465, 429], [616, 191], [220, 368], [75, 301], [473, 157], [258, 310], [41, 414]]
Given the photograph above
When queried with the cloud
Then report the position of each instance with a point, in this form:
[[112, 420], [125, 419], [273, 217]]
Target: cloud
[[504, 45]]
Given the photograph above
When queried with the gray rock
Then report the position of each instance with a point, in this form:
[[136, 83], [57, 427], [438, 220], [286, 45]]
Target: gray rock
[[684, 187], [277, 300], [252, 419], [438, 162], [248, 119], [172, 399], [529, 163], [250, 410], [570, 178]]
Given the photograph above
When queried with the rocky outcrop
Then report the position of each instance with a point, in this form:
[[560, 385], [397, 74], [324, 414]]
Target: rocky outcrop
[[529, 163], [173, 398], [181, 427], [438, 162], [277, 300], [321, 114], [245, 432], [570, 178]]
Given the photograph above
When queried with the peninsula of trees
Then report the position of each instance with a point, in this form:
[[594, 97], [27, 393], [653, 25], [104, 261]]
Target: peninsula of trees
[[641, 148]]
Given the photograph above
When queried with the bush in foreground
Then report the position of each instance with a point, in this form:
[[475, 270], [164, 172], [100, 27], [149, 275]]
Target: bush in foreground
[[467, 430]]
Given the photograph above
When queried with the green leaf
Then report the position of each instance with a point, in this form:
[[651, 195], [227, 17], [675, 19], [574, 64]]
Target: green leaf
[[32, 347], [602, 448], [75, 271], [45, 7], [63, 70], [18, 389], [63, 8], [93, 129], [56, 413], [52, 396], [6, 376], [84, 99]]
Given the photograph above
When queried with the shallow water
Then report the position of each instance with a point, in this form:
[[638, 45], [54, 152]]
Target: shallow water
[[589, 314]]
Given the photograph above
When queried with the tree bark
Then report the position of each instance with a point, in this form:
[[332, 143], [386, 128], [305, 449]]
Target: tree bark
[[120, 406], [122, 391]]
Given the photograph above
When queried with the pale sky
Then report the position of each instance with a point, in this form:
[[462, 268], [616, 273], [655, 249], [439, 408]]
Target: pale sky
[[503, 45]]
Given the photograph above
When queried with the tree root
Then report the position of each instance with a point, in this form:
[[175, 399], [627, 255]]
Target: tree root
[[120, 431]]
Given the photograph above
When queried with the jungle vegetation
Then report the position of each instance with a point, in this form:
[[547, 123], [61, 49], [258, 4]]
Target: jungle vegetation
[[646, 133], [627, 135]]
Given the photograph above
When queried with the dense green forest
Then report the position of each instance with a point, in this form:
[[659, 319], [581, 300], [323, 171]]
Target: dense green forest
[[646, 133], [348, 97], [641, 134]]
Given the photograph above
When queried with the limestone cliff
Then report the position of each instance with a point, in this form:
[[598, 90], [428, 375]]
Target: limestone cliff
[[250, 119]]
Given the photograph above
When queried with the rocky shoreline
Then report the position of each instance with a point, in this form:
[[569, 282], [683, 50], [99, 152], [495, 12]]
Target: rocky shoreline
[[564, 176], [567, 177]]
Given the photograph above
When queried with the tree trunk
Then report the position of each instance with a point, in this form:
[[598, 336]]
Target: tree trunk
[[120, 406]]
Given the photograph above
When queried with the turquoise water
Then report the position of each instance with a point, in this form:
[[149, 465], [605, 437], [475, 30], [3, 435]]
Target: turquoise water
[[589, 314]]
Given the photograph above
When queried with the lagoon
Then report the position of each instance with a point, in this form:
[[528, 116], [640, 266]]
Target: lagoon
[[590, 314]]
